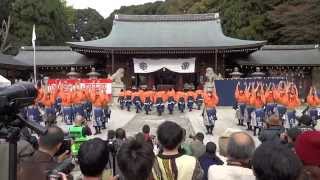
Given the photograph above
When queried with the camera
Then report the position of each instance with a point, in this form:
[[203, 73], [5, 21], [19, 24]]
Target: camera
[[16, 97], [66, 146], [12, 100], [112, 147], [65, 167]]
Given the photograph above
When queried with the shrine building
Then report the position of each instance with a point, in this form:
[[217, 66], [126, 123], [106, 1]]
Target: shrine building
[[166, 51]]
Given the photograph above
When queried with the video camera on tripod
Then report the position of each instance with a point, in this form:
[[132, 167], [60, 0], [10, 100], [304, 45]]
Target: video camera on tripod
[[12, 100]]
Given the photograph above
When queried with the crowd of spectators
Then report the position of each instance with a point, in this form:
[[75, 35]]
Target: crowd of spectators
[[291, 154]]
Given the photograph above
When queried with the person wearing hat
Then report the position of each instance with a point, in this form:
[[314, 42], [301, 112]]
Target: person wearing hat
[[307, 147], [272, 131]]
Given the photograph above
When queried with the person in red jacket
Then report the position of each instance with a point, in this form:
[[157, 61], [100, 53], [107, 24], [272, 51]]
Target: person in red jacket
[[98, 101], [258, 103], [48, 101], [209, 112], [313, 103], [171, 95], [190, 99], [241, 99], [270, 96], [291, 101], [199, 98]]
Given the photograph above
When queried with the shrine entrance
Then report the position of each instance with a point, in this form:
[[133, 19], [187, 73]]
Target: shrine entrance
[[165, 79], [164, 74]]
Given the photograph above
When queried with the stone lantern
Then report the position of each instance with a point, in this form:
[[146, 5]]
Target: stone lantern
[[73, 74], [93, 74], [258, 73], [236, 74]]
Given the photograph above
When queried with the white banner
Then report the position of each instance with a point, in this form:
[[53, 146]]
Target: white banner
[[176, 65]]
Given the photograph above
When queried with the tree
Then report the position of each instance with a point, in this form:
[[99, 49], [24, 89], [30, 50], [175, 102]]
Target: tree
[[89, 24], [47, 15], [295, 22]]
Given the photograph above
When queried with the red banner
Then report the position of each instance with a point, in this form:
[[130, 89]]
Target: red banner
[[102, 84]]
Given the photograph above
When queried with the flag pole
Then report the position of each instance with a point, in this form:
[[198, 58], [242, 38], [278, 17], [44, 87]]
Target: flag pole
[[34, 53], [34, 65]]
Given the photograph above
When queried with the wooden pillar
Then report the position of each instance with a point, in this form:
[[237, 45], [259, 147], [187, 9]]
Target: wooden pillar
[[180, 82], [150, 81], [112, 61], [216, 61], [223, 71]]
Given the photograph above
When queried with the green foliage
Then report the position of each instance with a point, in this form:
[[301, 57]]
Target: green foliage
[[277, 21], [296, 22], [89, 24], [49, 18], [4, 9]]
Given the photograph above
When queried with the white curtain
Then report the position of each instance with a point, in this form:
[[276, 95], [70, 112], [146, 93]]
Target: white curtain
[[186, 65]]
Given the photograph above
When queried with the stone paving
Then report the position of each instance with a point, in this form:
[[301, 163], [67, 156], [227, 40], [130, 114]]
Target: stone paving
[[153, 120]]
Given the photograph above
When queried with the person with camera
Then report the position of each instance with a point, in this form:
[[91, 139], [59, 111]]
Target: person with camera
[[44, 160]]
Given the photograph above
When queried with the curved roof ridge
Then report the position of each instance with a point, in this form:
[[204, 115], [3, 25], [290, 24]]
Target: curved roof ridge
[[289, 47], [46, 48], [173, 17]]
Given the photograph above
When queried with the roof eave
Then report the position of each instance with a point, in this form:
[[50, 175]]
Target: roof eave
[[253, 45]]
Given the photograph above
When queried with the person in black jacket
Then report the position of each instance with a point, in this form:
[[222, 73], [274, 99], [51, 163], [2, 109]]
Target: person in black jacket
[[209, 158], [273, 130]]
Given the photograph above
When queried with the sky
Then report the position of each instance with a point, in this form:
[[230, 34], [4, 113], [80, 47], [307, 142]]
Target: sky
[[105, 7]]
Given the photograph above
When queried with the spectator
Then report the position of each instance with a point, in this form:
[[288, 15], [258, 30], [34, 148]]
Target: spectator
[[185, 147], [209, 158], [274, 161], [224, 140], [146, 134], [120, 137], [80, 122], [305, 123], [273, 130], [291, 136], [307, 147], [197, 146], [239, 152], [27, 145], [140, 137], [93, 158], [170, 163], [111, 135], [110, 144], [135, 160], [43, 160]]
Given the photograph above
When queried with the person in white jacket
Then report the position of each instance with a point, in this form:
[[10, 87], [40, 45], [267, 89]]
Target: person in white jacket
[[240, 150]]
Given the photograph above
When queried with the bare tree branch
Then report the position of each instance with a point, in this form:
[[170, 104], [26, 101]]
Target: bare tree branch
[[5, 34]]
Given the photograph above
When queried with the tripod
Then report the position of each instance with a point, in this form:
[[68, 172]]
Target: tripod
[[10, 131]]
